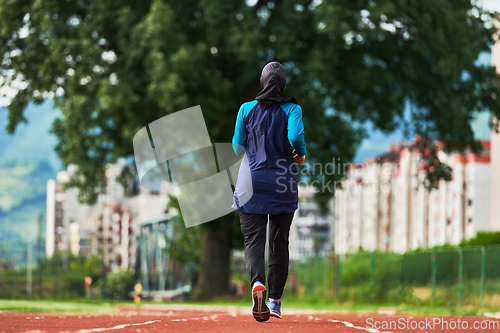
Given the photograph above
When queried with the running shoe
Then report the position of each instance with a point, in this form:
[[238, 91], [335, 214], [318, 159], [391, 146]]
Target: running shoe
[[275, 308], [260, 310]]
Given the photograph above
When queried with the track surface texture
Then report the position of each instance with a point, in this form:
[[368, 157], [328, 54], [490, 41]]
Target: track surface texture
[[209, 319]]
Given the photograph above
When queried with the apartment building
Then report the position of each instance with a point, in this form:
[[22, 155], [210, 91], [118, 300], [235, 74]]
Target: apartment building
[[384, 205], [109, 227]]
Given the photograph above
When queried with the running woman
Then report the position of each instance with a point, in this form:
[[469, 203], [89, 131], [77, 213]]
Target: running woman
[[271, 131]]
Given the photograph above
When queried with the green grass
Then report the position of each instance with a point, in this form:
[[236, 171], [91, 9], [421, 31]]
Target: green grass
[[55, 306], [326, 306], [98, 307]]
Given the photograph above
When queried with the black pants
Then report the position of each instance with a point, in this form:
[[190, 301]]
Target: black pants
[[253, 227]]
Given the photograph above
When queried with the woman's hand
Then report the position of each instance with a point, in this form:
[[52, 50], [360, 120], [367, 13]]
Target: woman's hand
[[298, 159]]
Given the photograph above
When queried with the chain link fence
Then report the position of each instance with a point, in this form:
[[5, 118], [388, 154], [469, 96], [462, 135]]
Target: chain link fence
[[468, 276]]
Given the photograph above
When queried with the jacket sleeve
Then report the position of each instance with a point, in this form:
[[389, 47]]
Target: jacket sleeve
[[296, 130], [240, 134]]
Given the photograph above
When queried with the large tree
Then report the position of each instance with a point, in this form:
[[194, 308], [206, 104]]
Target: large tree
[[115, 66]]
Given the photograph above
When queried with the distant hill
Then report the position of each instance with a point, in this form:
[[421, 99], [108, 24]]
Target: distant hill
[[31, 141], [27, 161]]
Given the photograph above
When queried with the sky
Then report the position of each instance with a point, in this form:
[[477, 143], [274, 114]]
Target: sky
[[493, 5]]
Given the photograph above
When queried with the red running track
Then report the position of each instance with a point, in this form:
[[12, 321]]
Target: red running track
[[149, 319]]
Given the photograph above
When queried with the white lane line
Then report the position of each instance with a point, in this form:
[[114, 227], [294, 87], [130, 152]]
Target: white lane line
[[351, 325], [348, 324], [118, 327]]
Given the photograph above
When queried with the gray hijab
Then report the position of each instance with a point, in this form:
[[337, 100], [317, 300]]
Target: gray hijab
[[272, 82]]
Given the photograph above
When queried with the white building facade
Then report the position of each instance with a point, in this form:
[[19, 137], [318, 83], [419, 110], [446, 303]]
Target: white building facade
[[109, 227], [384, 205]]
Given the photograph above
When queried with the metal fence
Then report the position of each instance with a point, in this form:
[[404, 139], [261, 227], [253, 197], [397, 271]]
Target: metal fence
[[467, 276], [54, 279]]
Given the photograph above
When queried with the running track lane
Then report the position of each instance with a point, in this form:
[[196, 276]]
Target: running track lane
[[153, 320]]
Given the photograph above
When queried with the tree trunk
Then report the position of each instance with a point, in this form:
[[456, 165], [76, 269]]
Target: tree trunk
[[216, 246]]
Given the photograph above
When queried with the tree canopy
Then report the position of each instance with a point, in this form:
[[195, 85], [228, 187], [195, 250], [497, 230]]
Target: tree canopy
[[115, 66]]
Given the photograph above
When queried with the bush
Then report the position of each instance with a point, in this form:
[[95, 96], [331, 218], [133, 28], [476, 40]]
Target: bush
[[361, 283], [119, 283], [483, 238]]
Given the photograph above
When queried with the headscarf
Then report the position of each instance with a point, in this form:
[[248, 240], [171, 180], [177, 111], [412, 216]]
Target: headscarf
[[272, 82]]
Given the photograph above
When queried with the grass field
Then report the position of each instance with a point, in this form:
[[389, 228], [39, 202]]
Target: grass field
[[97, 307], [55, 306]]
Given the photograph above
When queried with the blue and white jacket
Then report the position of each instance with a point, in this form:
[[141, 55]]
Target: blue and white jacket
[[269, 136]]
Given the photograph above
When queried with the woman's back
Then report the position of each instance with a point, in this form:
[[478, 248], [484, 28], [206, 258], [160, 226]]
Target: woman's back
[[266, 139]]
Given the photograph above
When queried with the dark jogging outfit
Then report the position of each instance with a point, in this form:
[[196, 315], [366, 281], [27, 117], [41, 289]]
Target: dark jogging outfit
[[269, 128]]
